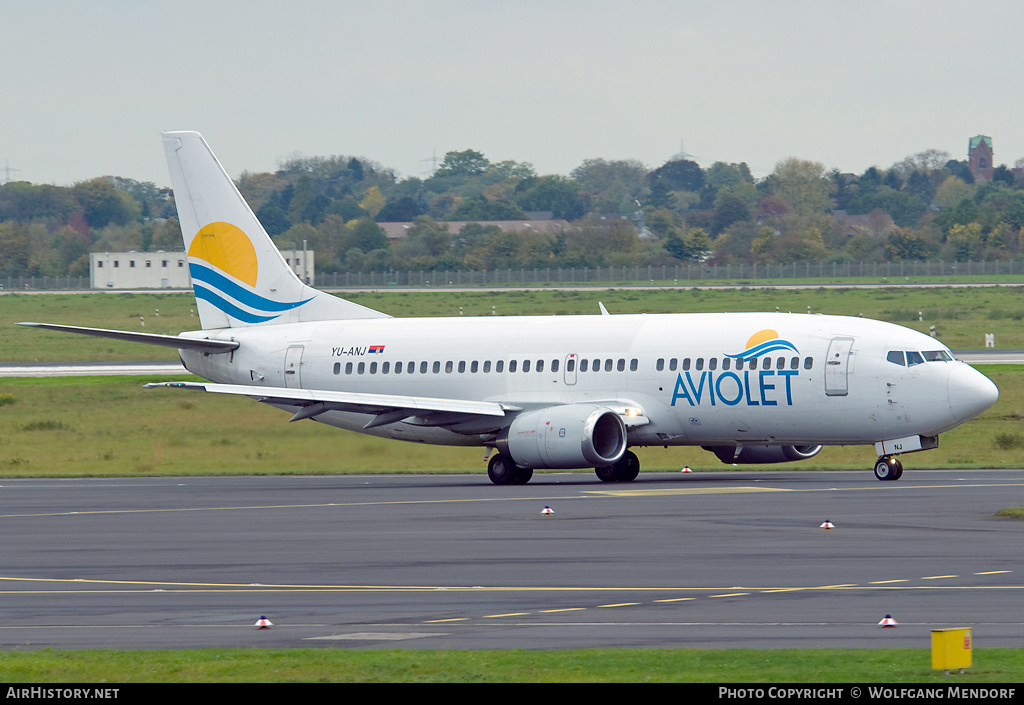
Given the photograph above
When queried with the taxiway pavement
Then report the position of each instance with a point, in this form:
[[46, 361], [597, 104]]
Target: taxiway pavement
[[731, 559]]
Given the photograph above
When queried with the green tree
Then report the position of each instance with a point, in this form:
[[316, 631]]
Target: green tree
[[482, 209], [805, 185], [678, 175], [554, 193], [612, 186], [468, 162], [908, 244], [102, 204]]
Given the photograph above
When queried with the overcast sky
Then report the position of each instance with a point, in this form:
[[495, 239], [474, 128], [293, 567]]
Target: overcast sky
[[87, 87]]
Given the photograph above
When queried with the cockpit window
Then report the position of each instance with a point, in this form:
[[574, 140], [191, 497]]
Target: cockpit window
[[911, 357]]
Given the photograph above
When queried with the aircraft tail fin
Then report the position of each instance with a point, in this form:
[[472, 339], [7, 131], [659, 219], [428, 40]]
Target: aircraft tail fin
[[238, 275]]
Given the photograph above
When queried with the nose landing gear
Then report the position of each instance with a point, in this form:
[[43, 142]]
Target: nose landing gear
[[888, 468]]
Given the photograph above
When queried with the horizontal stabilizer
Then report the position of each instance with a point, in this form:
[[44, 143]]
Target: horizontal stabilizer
[[167, 341]]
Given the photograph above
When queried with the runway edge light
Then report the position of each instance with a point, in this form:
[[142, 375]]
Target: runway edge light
[[547, 511], [263, 622], [887, 621], [827, 525], [686, 468]]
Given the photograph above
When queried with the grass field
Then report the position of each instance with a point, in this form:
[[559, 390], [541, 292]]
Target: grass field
[[576, 666], [106, 426], [961, 316]]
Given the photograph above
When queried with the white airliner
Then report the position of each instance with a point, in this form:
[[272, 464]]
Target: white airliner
[[546, 391]]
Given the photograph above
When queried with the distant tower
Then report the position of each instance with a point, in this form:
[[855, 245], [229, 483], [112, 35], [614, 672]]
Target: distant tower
[[979, 158]]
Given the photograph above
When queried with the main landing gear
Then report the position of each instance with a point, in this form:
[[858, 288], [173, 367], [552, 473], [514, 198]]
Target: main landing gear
[[625, 470], [503, 471], [888, 468]]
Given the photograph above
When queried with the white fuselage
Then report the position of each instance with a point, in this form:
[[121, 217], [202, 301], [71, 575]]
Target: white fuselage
[[833, 383]]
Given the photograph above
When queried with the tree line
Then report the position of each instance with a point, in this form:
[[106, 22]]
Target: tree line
[[621, 213]]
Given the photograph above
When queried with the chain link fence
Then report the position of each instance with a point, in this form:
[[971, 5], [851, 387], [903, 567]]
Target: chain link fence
[[658, 275]]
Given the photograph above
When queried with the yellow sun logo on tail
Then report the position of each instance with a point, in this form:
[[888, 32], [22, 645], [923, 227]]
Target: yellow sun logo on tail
[[228, 249]]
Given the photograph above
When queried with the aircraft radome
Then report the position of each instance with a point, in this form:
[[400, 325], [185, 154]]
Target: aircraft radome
[[552, 391]]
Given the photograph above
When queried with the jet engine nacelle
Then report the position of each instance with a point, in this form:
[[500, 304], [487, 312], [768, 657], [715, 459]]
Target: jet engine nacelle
[[566, 437], [750, 455]]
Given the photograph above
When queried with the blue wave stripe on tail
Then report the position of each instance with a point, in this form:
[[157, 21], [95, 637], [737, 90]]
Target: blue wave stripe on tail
[[244, 296], [227, 307]]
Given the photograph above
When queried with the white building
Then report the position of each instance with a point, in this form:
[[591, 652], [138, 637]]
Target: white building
[[167, 270], [139, 270]]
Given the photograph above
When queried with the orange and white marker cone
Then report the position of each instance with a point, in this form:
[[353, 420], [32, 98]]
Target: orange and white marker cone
[[888, 621], [263, 622]]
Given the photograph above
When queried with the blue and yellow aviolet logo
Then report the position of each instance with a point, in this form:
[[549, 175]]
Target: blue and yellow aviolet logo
[[222, 248], [764, 342], [751, 387]]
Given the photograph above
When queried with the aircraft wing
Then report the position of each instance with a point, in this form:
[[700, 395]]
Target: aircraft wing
[[167, 341], [460, 415]]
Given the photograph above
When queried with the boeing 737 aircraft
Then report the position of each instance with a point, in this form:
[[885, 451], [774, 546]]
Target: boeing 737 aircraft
[[546, 392]]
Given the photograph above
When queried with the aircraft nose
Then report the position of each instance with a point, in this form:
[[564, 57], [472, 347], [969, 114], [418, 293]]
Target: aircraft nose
[[970, 392]]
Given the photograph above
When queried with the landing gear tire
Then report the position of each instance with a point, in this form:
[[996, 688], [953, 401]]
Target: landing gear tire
[[522, 476], [625, 470], [888, 468], [503, 471], [629, 467]]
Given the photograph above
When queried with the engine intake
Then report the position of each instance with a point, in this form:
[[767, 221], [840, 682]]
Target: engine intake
[[751, 455], [565, 437]]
